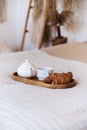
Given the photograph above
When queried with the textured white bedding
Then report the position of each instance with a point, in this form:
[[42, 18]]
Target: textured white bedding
[[27, 107]]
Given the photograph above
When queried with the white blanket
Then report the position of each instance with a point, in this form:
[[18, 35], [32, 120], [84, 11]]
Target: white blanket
[[28, 107]]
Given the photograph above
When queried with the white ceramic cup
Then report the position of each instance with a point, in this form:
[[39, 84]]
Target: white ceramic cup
[[42, 74], [48, 69]]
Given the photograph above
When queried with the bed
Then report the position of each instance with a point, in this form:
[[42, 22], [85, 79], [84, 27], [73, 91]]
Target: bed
[[29, 107], [73, 51]]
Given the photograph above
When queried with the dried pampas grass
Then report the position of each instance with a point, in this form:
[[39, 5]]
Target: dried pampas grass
[[71, 5], [37, 13], [38, 9], [51, 10], [65, 17], [68, 14]]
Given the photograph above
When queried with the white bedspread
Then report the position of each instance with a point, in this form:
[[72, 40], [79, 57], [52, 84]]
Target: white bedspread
[[27, 107]]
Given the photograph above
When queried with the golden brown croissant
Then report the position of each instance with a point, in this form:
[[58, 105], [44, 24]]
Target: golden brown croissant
[[59, 78]]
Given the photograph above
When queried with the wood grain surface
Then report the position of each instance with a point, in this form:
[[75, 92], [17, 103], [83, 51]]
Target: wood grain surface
[[36, 82]]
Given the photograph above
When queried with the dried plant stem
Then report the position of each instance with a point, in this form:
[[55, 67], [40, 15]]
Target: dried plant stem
[[50, 12]]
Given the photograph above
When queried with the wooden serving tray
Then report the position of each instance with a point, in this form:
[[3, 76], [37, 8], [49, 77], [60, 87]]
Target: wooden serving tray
[[36, 82]]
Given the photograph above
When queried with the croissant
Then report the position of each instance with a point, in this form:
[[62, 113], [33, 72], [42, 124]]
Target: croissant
[[59, 78]]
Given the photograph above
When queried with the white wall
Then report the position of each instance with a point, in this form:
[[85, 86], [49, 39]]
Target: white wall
[[22, 12], [8, 29], [12, 30]]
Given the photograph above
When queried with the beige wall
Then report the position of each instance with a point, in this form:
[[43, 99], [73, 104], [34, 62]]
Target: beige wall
[[11, 31]]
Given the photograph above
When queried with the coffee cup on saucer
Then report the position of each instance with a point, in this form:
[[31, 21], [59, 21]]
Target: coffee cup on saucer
[[44, 72], [48, 69]]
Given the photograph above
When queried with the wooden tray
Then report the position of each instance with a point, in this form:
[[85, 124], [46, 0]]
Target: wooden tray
[[36, 82]]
